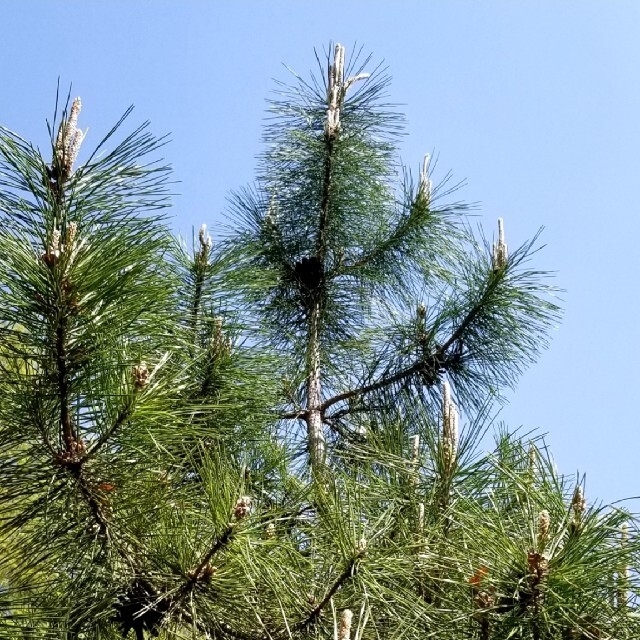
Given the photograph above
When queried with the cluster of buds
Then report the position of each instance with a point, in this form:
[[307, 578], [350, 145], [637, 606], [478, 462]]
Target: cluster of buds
[[361, 546], [56, 248], [544, 524], [140, 376], [73, 455], [425, 186], [500, 254], [202, 256], [72, 232], [202, 573], [270, 531], [220, 343], [242, 508], [578, 505], [344, 628], [67, 146], [337, 88], [538, 564], [449, 427]]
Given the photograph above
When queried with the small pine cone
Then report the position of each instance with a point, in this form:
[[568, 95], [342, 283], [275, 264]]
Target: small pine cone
[[484, 600], [140, 376], [242, 508], [538, 565]]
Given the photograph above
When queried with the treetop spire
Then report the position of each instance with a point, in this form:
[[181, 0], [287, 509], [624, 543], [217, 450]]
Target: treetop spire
[[337, 89]]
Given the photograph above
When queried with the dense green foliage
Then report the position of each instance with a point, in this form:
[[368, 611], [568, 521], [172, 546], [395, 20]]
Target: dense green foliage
[[257, 438]]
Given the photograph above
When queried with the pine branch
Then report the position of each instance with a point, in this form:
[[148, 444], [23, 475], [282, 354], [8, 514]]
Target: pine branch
[[320, 287], [94, 504], [348, 573], [66, 423], [196, 574], [430, 368], [495, 279], [124, 414]]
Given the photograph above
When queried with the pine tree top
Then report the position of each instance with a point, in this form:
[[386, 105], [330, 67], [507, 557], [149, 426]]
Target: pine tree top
[[277, 434]]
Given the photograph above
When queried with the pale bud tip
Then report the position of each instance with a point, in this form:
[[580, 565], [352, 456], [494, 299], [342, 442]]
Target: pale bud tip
[[344, 632]]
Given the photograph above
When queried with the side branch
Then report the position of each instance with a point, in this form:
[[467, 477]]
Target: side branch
[[201, 569], [494, 281], [124, 414], [94, 504], [438, 361], [387, 381], [432, 362], [349, 572]]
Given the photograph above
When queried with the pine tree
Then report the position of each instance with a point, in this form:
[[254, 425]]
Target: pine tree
[[279, 434]]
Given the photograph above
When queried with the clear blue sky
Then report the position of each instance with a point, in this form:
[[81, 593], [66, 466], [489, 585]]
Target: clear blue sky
[[536, 104]]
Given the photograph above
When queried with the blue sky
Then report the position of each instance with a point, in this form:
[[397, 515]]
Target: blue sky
[[535, 104]]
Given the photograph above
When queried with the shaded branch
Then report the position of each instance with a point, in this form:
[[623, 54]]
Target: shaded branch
[[432, 365], [418, 214], [124, 414], [294, 415], [221, 542], [348, 572], [94, 504]]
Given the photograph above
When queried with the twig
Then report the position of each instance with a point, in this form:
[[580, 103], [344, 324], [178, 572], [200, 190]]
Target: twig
[[119, 421], [349, 572], [437, 361]]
